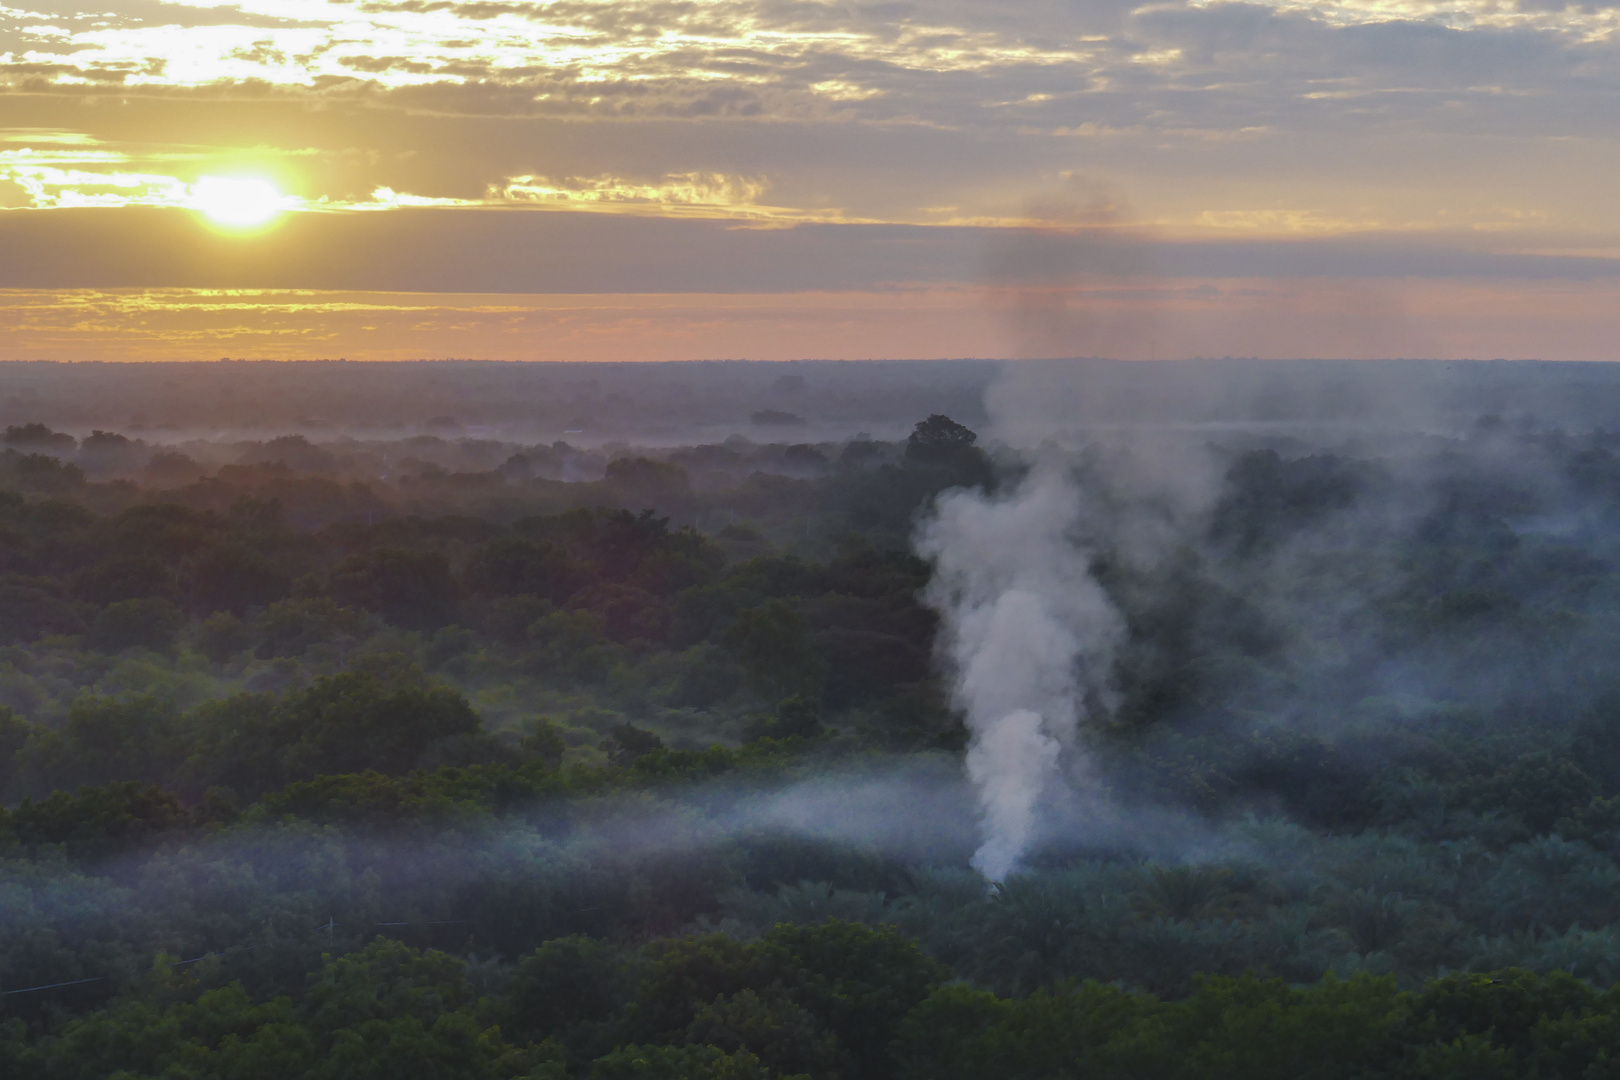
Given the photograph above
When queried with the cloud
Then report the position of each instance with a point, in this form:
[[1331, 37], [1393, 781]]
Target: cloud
[[48, 186], [944, 62], [686, 189], [509, 250], [74, 171], [690, 194], [1151, 88]]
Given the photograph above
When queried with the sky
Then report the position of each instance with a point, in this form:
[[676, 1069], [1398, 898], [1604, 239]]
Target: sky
[[673, 179]]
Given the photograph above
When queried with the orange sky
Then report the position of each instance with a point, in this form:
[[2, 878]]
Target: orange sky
[[1334, 318], [632, 179]]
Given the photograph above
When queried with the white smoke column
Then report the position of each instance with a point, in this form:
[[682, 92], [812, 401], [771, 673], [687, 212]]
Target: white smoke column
[[1027, 631]]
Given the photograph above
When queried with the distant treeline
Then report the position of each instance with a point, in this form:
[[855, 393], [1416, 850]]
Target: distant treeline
[[667, 401]]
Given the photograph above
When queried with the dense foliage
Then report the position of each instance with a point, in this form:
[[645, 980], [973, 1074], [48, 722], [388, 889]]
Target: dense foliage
[[501, 775]]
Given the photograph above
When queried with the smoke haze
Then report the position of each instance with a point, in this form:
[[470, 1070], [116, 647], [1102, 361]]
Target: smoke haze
[[1029, 636]]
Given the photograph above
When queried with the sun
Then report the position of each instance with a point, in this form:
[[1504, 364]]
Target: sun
[[237, 202]]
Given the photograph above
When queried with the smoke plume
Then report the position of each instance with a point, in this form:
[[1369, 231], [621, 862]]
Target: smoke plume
[[1029, 636]]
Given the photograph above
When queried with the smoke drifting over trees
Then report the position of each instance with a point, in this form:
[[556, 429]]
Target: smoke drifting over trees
[[1283, 694]]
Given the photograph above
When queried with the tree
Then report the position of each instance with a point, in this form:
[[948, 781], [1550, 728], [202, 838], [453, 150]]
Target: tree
[[573, 989], [1507, 1007], [107, 739], [570, 645], [514, 566], [646, 478], [42, 473], [237, 743], [411, 589], [150, 622], [96, 822], [221, 636], [355, 720], [544, 742], [626, 742], [292, 627], [679, 1063], [939, 440], [127, 577], [787, 1038], [859, 981], [170, 468], [795, 717], [231, 578], [1538, 787], [38, 437], [708, 675], [14, 733], [772, 644], [26, 612]]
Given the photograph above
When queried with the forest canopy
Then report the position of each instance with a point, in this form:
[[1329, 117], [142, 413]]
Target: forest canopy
[[464, 757]]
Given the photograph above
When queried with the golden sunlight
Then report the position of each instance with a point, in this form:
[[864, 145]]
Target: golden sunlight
[[237, 201]]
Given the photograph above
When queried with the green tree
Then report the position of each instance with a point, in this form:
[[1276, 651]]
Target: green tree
[[237, 743], [412, 589], [1505, 1008], [1538, 787], [96, 822], [14, 734], [573, 989], [150, 622], [28, 611], [231, 578], [625, 743], [127, 577], [785, 1037], [37, 436], [514, 566], [772, 644], [293, 627], [938, 439], [356, 720], [860, 981], [105, 739], [221, 636], [679, 1063], [570, 645]]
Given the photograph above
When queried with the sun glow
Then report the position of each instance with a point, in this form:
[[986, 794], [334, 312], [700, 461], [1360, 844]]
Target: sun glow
[[237, 202]]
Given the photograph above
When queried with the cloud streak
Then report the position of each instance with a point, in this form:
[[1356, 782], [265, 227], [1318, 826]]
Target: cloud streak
[[1507, 317]]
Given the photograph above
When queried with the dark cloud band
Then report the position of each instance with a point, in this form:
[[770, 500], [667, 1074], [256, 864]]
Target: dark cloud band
[[499, 251]]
